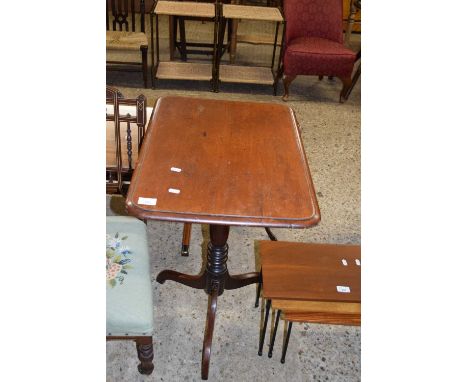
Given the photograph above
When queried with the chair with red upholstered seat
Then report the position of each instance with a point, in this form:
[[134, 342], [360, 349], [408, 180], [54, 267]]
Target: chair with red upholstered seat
[[314, 42]]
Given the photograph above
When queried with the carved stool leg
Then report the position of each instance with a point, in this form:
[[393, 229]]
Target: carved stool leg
[[287, 79], [144, 59], [186, 239], [145, 355], [346, 85]]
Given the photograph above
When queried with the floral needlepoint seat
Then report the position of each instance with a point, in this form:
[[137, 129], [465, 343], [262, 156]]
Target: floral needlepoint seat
[[129, 300]]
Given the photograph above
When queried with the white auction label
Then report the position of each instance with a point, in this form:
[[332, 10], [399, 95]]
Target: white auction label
[[343, 289], [176, 169], [147, 201], [174, 191]]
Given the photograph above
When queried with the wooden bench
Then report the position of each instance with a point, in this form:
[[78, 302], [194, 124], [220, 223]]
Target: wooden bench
[[304, 282]]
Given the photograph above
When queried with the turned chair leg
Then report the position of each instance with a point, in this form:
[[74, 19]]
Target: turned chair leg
[[144, 60], [287, 79], [346, 85], [145, 355]]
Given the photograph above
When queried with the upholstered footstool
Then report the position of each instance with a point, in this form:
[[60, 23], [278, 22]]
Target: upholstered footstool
[[129, 300]]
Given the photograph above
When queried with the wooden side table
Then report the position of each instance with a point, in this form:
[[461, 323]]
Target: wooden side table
[[306, 282], [222, 163], [249, 74], [182, 70]]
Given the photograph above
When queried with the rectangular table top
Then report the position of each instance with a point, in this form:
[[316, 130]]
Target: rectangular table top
[[223, 162], [310, 272]]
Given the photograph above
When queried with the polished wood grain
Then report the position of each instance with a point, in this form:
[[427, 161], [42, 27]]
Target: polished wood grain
[[242, 163], [238, 163], [310, 272]]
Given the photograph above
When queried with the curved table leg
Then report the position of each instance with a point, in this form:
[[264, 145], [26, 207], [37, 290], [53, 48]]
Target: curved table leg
[[197, 282], [209, 328], [240, 281]]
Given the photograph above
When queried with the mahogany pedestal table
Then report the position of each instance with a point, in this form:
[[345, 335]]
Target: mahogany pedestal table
[[222, 163]]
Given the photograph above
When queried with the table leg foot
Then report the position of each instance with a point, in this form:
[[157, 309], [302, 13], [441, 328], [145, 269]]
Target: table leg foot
[[239, 281], [209, 328], [197, 282]]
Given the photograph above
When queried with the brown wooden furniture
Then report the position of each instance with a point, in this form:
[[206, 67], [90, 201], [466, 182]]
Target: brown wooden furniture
[[241, 73], [186, 47], [352, 14], [246, 167], [182, 70], [126, 122], [120, 14], [355, 77], [121, 127], [250, 39], [139, 327], [304, 282]]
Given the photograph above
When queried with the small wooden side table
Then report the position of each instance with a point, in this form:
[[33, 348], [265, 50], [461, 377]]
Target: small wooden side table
[[265, 75], [222, 163], [306, 282], [182, 70]]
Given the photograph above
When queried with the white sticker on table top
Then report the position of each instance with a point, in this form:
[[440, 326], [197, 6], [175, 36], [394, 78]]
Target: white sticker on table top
[[174, 191], [147, 201], [358, 262], [345, 263], [343, 289], [176, 169]]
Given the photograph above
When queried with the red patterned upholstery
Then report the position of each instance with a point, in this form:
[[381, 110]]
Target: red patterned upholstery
[[317, 18], [314, 39], [318, 56]]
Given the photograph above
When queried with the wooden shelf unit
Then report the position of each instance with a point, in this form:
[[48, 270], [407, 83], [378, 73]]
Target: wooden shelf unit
[[188, 9], [251, 74], [182, 70], [250, 12], [246, 74]]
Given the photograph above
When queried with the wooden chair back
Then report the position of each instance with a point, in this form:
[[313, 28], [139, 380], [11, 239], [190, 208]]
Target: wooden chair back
[[129, 128], [122, 14]]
